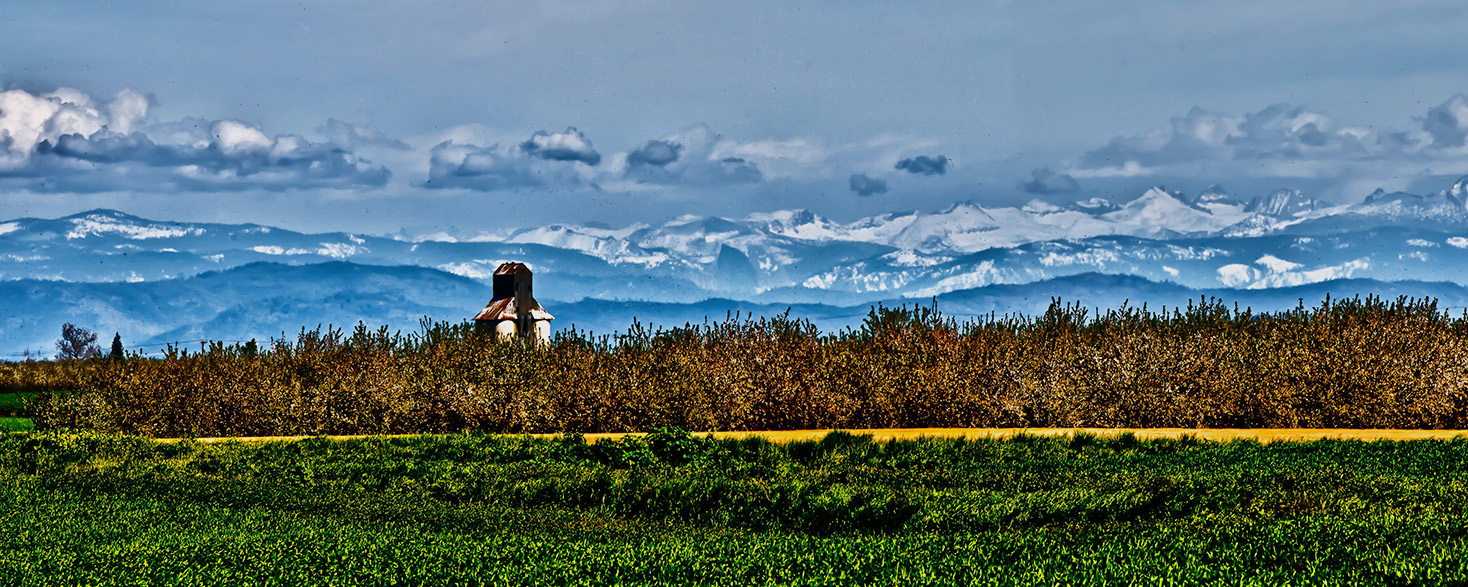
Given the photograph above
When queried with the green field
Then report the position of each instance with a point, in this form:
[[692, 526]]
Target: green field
[[15, 403], [13, 412], [16, 424], [674, 509]]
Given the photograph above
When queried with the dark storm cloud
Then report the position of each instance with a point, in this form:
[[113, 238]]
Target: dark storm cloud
[[1311, 136], [452, 165], [655, 153], [494, 168], [725, 170], [866, 186], [924, 165], [563, 161], [1447, 123], [570, 145], [113, 162], [1045, 181], [691, 157]]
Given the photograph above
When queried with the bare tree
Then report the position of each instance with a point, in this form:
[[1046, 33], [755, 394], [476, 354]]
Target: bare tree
[[76, 343]]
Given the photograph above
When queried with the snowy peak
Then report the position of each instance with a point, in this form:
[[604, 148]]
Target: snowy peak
[[1459, 190], [1272, 214], [1219, 202], [797, 254], [880, 229], [1215, 194], [1093, 205], [1159, 212], [106, 214], [1041, 207], [1159, 195], [801, 224], [117, 224], [600, 243], [1398, 206], [1282, 204], [960, 227], [1212, 193], [1380, 196]]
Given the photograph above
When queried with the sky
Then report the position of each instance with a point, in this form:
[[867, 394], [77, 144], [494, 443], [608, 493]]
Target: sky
[[467, 117]]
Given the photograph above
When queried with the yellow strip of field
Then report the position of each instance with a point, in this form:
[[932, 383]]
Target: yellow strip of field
[[887, 434]]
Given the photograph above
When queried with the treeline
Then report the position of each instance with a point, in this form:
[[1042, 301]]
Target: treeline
[[35, 376], [1355, 363]]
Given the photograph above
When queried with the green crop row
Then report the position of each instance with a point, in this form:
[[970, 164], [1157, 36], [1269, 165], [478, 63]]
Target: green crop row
[[1357, 363], [676, 509]]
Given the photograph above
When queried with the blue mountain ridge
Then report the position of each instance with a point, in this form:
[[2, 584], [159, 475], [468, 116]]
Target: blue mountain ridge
[[157, 282], [265, 301], [796, 256]]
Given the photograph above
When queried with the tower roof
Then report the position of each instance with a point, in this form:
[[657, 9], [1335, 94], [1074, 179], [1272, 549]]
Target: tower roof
[[501, 309], [512, 297], [512, 268], [504, 309]]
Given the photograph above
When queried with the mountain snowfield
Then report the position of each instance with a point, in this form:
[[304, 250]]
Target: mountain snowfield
[[114, 271]]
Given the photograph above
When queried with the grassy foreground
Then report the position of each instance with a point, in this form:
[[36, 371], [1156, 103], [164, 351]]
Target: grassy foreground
[[15, 412], [16, 424], [680, 510]]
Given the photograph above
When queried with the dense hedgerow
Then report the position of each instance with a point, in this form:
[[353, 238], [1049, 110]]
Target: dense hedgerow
[[1356, 363], [33, 376]]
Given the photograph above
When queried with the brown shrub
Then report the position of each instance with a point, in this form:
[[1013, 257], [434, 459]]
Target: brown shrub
[[1358, 363]]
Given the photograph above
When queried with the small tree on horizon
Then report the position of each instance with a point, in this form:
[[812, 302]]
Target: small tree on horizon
[[76, 343], [117, 351]]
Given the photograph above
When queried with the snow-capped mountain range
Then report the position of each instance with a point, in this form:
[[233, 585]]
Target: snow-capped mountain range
[[1205, 241], [1208, 240]]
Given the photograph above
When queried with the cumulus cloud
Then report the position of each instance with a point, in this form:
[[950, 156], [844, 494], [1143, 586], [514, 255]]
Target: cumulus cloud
[[27, 120], [352, 136], [127, 109], [655, 153], [562, 146], [1276, 132], [924, 165], [866, 186], [1045, 181], [725, 170], [798, 158], [453, 165], [546, 160], [694, 156], [65, 141], [1447, 123], [494, 168], [1284, 141]]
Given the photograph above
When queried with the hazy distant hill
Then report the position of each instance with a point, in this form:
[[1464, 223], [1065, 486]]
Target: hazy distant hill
[[264, 300], [258, 300]]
